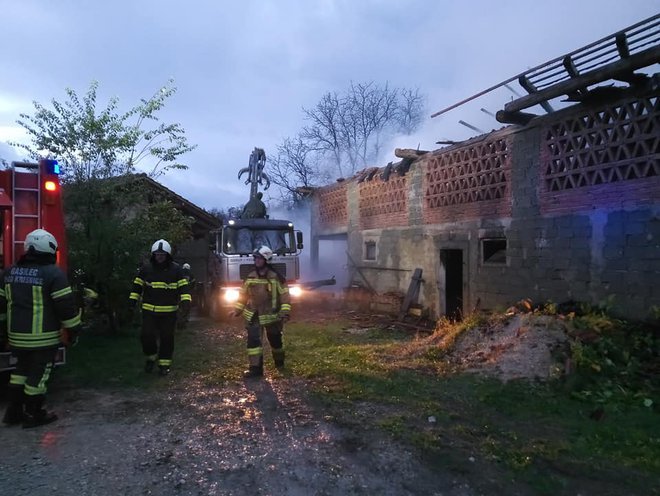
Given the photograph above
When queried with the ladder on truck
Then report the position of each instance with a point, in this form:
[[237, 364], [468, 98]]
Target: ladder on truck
[[26, 191], [26, 217]]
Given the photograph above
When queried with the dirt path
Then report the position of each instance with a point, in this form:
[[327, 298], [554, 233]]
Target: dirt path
[[246, 438]]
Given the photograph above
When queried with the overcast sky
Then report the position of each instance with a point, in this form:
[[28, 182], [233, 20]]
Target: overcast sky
[[245, 69]]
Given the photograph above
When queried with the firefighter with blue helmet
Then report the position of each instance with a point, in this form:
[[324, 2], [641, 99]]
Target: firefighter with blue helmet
[[36, 302]]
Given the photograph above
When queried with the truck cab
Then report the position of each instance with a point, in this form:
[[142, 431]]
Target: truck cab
[[232, 247]]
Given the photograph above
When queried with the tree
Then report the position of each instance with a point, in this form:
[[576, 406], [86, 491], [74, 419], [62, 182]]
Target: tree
[[230, 213], [111, 222], [410, 111], [110, 236], [344, 133], [350, 129], [295, 168], [95, 144]]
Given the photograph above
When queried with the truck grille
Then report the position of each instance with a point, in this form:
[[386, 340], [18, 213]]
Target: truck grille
[[245, 269]]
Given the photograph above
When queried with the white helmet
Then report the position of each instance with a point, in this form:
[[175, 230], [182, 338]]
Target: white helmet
[[263, 252], [41, 241], [186, 266], [161, 245]]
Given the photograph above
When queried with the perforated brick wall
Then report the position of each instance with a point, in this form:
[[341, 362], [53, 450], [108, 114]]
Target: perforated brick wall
[[468, 182], [332, 204], [384, 203], [606, 158]]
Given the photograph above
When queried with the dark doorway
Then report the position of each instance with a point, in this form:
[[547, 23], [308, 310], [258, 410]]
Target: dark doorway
[[452, 262]]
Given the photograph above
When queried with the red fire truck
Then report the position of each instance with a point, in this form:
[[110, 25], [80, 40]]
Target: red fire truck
[[30, 198]]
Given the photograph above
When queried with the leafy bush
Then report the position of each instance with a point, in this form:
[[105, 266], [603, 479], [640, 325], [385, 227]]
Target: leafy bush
[[615, 361]]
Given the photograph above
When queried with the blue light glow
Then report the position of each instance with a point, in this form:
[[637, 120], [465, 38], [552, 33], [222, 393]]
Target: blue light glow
[[52, 167]]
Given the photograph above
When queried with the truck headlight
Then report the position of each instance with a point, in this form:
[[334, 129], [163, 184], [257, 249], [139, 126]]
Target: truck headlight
[[231, 295], [295, 291]]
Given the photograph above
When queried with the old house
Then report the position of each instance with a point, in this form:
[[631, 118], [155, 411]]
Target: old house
[[559, 206], [195, 251]]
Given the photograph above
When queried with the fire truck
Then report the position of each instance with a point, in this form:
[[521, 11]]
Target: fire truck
[[30, 198], [234, 243], [231, 258]]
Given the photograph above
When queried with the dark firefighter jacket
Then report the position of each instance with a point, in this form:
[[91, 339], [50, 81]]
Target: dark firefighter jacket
[[162, 287], [36, 301], [267, 296]]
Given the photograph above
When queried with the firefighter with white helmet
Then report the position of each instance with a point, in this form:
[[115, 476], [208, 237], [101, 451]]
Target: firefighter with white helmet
[[163, 289], [184, 314], [264, 303], [36, 302]]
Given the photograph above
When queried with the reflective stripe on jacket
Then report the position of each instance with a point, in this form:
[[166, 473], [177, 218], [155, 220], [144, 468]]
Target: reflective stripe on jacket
[[266, 296], [162, 288], [36, 301]]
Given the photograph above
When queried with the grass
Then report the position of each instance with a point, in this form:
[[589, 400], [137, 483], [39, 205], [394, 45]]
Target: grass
[[535, 434], [103, 361], [537, 437]]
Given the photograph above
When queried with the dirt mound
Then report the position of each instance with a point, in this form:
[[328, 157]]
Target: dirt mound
[[526, 346]]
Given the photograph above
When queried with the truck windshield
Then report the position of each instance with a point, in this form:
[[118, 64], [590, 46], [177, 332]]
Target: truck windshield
[[243, 241]]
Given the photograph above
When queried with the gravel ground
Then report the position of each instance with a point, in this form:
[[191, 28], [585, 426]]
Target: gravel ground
[[247, 438]]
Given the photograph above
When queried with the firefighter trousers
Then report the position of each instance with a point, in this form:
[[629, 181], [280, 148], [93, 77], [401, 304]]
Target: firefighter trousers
[[33, 368], [158, 336], [254, 340]]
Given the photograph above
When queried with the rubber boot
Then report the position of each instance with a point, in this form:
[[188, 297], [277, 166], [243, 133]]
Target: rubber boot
[[278, 357], [163, 370], [256, 367], [14, 413], [149, 366], [253, 372], [35, 415]]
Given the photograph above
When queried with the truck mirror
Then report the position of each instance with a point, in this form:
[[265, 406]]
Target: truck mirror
[[299, 240]]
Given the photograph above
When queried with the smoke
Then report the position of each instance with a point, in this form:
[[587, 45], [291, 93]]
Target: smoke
[[332, 253]]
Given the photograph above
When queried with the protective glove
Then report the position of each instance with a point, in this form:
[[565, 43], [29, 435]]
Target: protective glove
[[284, 316]]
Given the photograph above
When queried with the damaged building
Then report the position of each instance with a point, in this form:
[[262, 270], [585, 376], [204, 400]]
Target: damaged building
[[556, 206]]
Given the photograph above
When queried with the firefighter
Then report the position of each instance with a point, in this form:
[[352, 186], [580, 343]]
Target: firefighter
[[264, 303], [184, 313], [163, 289], [36, 302], [255, 208], [185, 268]]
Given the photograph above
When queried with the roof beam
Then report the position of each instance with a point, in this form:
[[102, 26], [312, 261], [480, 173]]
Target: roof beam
[[531, 89], [520, 118], [609, 71]]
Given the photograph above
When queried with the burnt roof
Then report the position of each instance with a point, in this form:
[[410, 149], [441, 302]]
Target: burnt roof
[[614, 58]]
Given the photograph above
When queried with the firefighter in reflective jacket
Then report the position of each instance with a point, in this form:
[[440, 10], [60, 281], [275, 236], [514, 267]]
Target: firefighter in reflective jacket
[[264, 303], [163, 288], [36, 302]]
